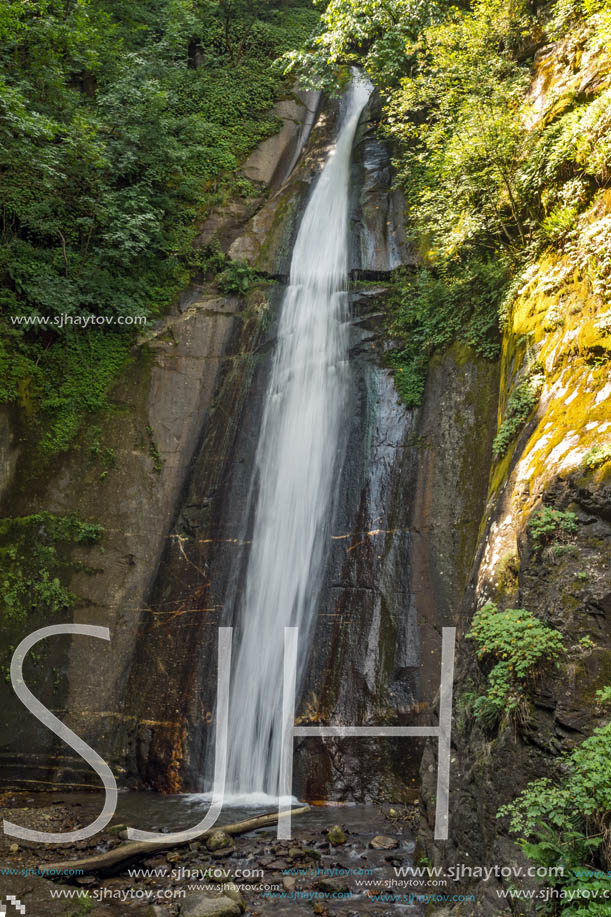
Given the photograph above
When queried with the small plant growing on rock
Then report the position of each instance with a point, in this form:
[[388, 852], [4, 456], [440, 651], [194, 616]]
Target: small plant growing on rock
[[597, 456], [237, 277], [547, 524], [520, 646], [519, 406], [603, 697], [565, 822]]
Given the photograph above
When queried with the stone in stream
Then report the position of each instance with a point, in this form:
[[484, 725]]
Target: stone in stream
[[336, 836], [232, 891], [332, 886], [220, 840], [383, 842], [289, 883], [206, 906]]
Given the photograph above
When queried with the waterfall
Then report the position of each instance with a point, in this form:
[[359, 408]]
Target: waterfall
[[296, 464]]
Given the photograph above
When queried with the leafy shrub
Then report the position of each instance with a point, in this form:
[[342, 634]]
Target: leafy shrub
[[547, 524], [429, 310], [33, 553], [75, 379], [121, 125], [560, 222], [519, 407], [565, 823], [603, 696], [237, 277], [519, 645]]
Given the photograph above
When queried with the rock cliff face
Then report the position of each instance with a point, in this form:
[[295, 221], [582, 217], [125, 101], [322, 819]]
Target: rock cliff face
[[364, 651], [427, 526], [556, 340], [162, 407], [183, 431]]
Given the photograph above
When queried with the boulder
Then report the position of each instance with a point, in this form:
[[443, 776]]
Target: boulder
[[209, 906], [232, 891], [336, 836], [220, 840], [383, 842]]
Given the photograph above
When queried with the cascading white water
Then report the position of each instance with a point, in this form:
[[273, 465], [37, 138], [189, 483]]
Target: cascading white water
[[296, 463]]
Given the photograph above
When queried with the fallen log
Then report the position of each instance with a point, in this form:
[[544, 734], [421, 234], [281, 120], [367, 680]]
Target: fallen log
[[131, 852]]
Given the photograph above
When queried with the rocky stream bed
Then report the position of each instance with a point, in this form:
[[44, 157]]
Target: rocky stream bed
[[340, 861]]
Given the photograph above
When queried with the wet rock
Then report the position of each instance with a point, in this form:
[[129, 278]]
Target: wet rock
[[383, 842], [155, 911], [289, 883], [232, 891], [336, 836], [207, 906], [320, 908], [8, 450], [220, 840], [273, 158], [332, 886], [311, 854]]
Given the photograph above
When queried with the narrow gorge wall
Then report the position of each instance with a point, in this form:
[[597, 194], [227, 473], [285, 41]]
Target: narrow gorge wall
[[557, 333]]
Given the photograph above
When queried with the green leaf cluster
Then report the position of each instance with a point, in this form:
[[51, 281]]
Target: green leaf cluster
[[565, 823], [121, 125], [34, 555], [597, 456], [428, 310], [547, 524], [484, 193], [520, 405], [518, 646], [237, 277]]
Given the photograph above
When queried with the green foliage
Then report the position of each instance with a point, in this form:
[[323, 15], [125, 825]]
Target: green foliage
[[519, 646], [120, 126], [560, 222], [563, 823], [34, 551], [237, 277], [548, 524], [481, 189], [430, 309], [158, 461], [603, 696], [520, 405], [597, 456], [377, 33], [83, 907], [74, 379]]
